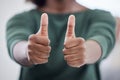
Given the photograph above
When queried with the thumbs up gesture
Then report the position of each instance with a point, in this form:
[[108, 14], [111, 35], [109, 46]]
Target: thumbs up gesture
[[74, 48], [38, 44]]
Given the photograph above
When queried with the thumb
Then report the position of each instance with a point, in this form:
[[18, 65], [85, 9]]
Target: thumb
[[43, 31], [70, 27]]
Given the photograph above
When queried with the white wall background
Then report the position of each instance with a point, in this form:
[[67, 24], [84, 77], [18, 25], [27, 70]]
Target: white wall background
[[9, 70]]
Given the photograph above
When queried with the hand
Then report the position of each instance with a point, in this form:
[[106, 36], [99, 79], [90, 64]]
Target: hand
[[74, 48], [38, 44]]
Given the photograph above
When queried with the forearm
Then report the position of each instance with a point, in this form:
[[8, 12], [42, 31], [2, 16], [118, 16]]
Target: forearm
[[93, 51], [20, 53]]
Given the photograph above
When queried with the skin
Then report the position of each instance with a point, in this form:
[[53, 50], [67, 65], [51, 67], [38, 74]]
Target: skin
[[77, 52], [118, 29], [74, 47], [38, 44]]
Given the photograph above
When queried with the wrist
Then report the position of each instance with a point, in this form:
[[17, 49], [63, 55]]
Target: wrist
[[20, 53], [93, 52]]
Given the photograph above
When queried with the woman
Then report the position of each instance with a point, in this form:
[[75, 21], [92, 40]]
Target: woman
[[60, 48]]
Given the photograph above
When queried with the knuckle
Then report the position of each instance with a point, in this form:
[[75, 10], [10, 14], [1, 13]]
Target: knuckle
[[40, 61], [48, 48], [66, 44], [32, 37], [30, 45], [65, 57], [83, 39], [81, 63], [80, 40], [82, 48], [30, 54], [44, 55], [43, 61], [46, 40], [76, 64], [69, 58], [71, 64], [64, 50]]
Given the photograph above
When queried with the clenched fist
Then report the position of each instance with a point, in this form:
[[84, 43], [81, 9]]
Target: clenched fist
[[38, 44], [74, 48]]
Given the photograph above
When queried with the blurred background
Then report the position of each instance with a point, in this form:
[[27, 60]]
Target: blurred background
[[9, 70]]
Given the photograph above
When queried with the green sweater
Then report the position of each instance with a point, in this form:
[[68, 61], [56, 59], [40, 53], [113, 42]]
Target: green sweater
[[95, 25]]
